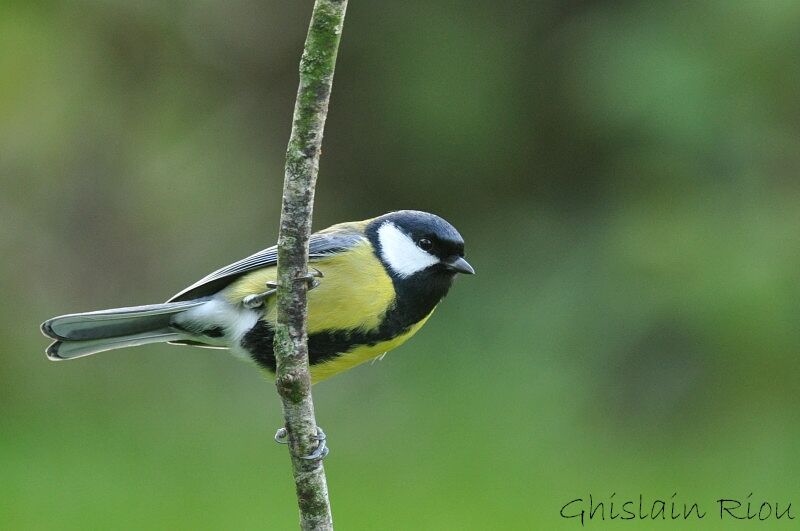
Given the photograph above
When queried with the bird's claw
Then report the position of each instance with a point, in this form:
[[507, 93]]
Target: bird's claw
[[322, 450], [254, 301], [312, 278], [257, 300]]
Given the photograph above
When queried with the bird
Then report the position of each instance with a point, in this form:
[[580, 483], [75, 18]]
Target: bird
[[373, 284]]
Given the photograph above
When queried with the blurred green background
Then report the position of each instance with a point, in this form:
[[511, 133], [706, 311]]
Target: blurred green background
[[624, 173]]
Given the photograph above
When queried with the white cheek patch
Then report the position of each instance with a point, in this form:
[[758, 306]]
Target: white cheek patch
[[400, 252]]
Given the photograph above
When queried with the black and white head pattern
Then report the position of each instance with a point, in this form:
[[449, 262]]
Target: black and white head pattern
[[401, 253], [410, 241]]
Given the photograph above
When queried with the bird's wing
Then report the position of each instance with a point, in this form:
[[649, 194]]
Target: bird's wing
[[320, 245]]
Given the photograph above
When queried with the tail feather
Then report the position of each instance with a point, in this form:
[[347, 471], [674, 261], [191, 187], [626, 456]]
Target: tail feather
[[81, 334], [68, 350], [115, 322]]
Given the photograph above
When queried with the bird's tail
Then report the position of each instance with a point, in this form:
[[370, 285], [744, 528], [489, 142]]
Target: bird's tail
[[82, 334]]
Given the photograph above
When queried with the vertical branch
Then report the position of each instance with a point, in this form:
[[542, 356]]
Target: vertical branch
[[292, 376]]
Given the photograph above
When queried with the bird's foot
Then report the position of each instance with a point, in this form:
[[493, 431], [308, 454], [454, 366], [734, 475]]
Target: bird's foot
[[257, 300], [254, 301], [312, 278], [282, 437]]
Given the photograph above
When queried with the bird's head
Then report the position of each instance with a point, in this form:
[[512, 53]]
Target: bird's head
[[415, 245]]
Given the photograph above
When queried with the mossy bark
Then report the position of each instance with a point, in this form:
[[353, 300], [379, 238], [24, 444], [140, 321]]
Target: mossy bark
[[293, 379]]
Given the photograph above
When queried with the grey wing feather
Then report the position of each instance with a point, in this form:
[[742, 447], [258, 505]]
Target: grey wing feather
[[320, 245]]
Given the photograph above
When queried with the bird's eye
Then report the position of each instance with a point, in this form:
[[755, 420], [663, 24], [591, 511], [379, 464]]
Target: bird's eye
[[425, 244]]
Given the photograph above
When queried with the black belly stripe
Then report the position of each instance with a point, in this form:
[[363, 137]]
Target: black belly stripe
[[322, 346]]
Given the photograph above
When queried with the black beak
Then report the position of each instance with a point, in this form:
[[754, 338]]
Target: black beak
[[459, 265]]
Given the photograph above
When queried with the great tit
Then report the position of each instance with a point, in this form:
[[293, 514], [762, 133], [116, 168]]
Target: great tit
[[379, 281]]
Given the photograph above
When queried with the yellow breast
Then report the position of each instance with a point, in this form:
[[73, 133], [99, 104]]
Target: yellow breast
[[355, 292]]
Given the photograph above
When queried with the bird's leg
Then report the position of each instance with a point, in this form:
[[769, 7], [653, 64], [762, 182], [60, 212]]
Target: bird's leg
[[322, 450], [256, 300]]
